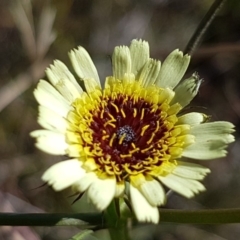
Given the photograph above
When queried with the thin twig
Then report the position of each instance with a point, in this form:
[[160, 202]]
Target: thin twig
[[203, 26]]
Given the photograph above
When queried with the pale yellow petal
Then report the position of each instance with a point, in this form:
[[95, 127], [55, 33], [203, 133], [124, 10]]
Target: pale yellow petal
[[186, 187], [218, 128], [210, 149], [50, 142], [63, 80], [121, 62], [63, 174], [139, 51], [190, 170], [153, 192], [150, 189], [211, 139], [51, 121], [83, 64], [187, 90], [173, 69], [91, 85], [143, 210], [49, 97], [120, 187], [192, 119], [101, 192], [85, 182], [149, 72]]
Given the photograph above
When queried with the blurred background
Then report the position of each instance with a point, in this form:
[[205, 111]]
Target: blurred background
[[34, 33]]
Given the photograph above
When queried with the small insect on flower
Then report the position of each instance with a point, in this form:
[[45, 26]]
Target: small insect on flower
[[127, 138]]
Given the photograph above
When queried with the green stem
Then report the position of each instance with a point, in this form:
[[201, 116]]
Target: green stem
[[117, 227], [213, 216], [90, 221], [83, 220], [203, 26]]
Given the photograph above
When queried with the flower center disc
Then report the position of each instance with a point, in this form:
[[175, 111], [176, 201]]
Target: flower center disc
[[125, 134]]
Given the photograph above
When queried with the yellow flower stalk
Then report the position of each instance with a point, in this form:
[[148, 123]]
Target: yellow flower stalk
[[127, 137]]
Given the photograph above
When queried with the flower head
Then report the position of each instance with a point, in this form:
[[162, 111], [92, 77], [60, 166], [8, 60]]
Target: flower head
[[127, 137]]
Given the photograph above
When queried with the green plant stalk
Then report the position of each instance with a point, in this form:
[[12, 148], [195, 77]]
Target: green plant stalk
[[117, 227], [213, 216], [203, 26], [83, 220], [90, 221]]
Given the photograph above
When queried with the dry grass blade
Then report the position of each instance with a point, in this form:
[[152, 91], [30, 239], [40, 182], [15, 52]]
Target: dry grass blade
[[35, 48], [22, 16], [45, 33], [14, 89]]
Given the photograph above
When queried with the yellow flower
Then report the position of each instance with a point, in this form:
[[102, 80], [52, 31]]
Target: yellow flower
[[127, 137]]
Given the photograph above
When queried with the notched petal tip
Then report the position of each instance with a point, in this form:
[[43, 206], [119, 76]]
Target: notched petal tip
[[63, 80], [121, 62], [184, 186], [173, 69], [50, 141], [178, 54], [139, 51], [83, 64], [139, 42], [191, 171], [63, 174], [187, 90], [143, 210]]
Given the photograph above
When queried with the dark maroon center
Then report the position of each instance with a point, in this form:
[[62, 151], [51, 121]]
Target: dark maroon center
[[130, 131]]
